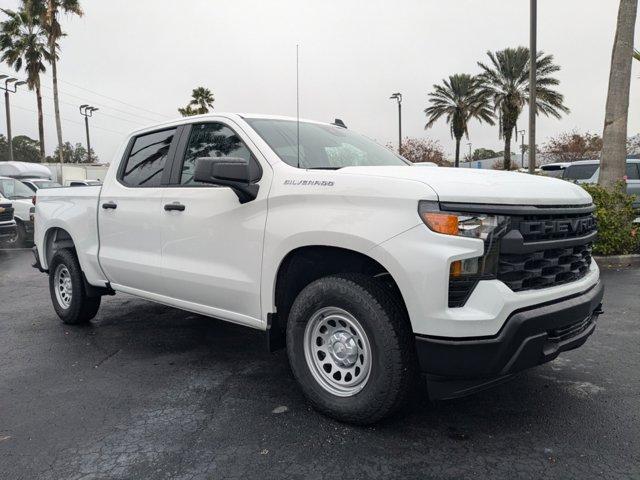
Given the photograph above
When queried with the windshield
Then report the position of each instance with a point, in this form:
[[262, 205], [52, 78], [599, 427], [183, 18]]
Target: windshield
[[322, 146], [13, 189], [580, 172]]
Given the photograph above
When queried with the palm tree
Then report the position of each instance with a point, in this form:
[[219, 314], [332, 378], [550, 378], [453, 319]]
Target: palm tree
[[506, 81], [459, 99], [614, 136], [23, 43], [49, 12], [201, 101]]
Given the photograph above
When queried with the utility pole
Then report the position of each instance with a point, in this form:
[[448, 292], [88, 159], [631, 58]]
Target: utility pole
[[522, 133], [398, 97], [533, 52], [8, 83], [87, 111]]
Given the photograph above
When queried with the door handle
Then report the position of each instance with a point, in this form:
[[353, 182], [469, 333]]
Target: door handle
[[110, 205], [174, 206]]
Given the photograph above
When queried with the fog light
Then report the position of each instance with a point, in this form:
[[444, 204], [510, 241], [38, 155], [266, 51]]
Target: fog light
[[468, 266]]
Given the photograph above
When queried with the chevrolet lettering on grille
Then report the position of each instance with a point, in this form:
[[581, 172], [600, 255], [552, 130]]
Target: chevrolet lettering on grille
[[575, 226]]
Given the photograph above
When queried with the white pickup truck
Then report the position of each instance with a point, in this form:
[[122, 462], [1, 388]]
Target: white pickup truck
[[368, 269]]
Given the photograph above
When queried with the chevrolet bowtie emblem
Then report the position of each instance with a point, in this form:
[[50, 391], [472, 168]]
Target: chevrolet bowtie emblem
[[2, 209]]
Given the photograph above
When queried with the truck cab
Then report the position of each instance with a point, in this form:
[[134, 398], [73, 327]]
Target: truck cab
[[368, 270]]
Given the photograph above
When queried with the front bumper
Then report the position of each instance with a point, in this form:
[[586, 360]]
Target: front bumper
[[530, 336], [7, 230]]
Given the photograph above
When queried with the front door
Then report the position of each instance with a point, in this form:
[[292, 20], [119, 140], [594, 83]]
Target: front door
[[130, 213], [211, 243]]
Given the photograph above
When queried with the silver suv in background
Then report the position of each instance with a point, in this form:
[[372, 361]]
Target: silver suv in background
[[587, 171]]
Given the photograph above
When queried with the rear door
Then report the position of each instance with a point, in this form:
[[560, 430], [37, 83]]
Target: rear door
[[130, 213], [212, 245], [633, 181]]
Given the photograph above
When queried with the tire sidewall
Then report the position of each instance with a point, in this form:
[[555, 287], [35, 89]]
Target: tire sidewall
[[72, 313], [374, 321]]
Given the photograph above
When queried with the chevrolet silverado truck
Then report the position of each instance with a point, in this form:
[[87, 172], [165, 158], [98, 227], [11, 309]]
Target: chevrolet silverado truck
[[368, 270]]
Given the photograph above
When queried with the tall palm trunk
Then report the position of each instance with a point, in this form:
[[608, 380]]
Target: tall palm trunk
[[56, 105], [40, 120], [614, 137], [507, 149], [457, 161]]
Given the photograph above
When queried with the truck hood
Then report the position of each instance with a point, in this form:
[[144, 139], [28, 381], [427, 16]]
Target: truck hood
[[470, 185]]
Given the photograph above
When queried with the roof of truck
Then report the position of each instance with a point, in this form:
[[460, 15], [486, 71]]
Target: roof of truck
[[229, 115]]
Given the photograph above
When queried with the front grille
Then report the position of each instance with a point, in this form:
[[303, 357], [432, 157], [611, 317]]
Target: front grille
[[540, 247], [564, 333], [7, 214], [546, 249], [544, 268]]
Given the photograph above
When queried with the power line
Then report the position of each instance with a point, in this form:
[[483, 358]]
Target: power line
[[110, 98], [75, 105], [102, 105], [13, 105]]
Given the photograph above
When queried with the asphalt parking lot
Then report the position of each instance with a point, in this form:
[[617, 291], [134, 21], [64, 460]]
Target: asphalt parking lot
[[150, 392]]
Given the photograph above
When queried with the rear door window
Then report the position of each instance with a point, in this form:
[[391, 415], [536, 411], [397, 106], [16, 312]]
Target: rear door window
[[580, 172], [632, 171], [147, 158]]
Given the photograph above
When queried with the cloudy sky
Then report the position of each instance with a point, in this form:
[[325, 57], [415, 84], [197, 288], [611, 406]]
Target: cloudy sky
[[139, 60]]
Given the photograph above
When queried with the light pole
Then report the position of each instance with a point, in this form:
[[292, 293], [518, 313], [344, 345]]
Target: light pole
[[7, 90], [87, 111], [533, 49], [522, 133], [398, 97], [470, 154]]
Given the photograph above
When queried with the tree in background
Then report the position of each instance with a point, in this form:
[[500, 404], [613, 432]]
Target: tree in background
[[418, 150], [201, 101], [25, 149], [572, 146], [506, 81], [633, 146], [459, 100], [73, 154], [23, 43], [49, 12], [482, 154], [614, 136], [636, 55]]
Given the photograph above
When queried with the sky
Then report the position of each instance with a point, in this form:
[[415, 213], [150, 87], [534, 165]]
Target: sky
[[139, 60]]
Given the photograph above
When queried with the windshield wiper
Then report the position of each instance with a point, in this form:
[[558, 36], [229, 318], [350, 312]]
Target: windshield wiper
[[323, 168]]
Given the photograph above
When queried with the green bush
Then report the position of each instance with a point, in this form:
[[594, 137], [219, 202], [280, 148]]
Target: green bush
[[617, 235]]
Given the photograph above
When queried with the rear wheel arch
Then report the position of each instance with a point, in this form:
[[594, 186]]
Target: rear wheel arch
[[55, 239]]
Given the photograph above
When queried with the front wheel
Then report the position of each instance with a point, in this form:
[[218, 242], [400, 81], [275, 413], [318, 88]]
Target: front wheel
[[350, 348], [66, 285]]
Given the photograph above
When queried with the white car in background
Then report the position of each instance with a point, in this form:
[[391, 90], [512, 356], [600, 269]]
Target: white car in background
[[38, 183], [21, 197], [588, 171]]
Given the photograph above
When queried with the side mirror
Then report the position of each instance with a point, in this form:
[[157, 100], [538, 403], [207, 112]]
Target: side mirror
[[236, 173]]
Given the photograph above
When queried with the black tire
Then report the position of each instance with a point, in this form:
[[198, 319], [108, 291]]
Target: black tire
[[393, 359], [81, 308]]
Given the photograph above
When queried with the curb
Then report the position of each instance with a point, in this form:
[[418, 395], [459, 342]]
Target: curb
[[618, 261]]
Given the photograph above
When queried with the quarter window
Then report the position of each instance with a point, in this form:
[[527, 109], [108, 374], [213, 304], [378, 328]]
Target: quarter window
[[211, 140], [147, 159]]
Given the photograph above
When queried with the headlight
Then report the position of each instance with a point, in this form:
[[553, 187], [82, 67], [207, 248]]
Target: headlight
[[470, 225], [466, 273]]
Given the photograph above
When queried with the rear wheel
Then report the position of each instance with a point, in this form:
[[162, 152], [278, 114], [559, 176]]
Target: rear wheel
[[68, 293], [350, 348]]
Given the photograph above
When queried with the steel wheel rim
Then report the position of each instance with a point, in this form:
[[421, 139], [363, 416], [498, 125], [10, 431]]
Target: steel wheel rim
[[63, 286], [337, 351]]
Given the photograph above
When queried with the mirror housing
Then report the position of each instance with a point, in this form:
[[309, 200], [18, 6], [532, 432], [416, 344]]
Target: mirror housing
[[232, 172]]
